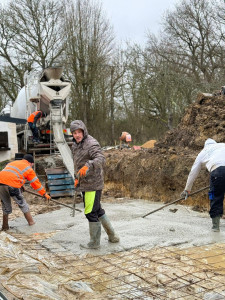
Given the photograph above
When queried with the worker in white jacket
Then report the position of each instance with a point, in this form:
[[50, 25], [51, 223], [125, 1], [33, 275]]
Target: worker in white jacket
[[212, 157]]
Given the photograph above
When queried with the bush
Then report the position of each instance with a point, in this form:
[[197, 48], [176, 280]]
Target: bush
[[3, 164]]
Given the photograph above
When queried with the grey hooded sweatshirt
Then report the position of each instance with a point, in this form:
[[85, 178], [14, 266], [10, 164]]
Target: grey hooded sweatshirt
[[212, 156], [88, 153]]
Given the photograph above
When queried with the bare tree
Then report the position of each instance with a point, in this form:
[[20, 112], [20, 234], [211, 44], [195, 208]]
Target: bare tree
[[194, 34], [89, 41], [30, 36]]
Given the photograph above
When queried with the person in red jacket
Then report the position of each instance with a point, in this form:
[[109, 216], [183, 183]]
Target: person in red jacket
[[32, 122], [12, 179]]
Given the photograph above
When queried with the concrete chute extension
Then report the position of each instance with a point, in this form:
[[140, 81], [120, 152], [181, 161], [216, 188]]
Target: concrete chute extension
[[59, 139]]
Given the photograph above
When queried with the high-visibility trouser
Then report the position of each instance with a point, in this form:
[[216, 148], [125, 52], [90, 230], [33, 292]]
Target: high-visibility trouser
[[93, 209], [6, 192]]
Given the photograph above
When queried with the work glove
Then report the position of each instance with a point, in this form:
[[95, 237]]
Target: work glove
[[47, 197], [22, 189], [83, 171], [76, 183], [184, 194], [33, 125]]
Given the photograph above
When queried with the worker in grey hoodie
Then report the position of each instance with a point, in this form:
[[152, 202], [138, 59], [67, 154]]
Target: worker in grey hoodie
[[212, 157], [88, 164]]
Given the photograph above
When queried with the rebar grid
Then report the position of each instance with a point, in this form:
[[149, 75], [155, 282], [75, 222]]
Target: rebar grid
[[157, 273]]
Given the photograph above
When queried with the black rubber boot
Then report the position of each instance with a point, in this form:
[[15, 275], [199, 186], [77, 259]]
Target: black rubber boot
[[5, 223], [113, 237], [216, 224], [95, 235]]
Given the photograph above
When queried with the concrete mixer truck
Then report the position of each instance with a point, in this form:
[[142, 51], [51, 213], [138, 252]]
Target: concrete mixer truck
[[44, 90], [47, 91]]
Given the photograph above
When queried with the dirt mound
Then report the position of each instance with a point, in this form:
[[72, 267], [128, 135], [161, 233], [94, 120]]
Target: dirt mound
[[160, 173], [204, 119]]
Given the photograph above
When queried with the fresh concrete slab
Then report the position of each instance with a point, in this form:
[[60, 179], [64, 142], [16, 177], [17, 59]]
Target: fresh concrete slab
[[184, 228]]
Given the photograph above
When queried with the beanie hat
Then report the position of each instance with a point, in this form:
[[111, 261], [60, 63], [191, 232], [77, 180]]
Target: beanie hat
[[29, 158]]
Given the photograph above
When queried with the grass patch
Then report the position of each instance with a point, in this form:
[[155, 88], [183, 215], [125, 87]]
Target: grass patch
[[3, 164]]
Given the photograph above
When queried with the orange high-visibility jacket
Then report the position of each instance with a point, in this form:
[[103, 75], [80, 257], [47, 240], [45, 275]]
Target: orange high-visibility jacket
[[16, 173], [33, 115]]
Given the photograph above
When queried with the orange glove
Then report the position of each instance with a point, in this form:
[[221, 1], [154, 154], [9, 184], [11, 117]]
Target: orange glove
[[76, 183], [83, 171], [47, 197]]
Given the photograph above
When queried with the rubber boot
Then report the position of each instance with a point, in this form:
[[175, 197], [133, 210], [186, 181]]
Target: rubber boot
[[29, 218], [216, 224], [5, 224], [113, 237], [95, 235]]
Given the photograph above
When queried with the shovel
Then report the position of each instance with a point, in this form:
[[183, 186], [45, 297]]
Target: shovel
[[182, 198], [75, 196]]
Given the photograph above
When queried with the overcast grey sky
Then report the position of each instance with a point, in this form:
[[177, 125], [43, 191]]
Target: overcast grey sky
[[132, 18]]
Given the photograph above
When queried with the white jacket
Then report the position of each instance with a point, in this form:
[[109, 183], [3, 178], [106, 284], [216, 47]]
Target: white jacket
[[212, 156]]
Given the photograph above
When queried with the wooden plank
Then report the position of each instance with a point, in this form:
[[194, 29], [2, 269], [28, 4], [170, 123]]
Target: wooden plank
[[55, 176], [61, 187], [61, 181], [56, 171], [62, 193]]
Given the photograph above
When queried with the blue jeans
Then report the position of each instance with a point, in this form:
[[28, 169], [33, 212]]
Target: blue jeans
[[216, 192], [34, 132]]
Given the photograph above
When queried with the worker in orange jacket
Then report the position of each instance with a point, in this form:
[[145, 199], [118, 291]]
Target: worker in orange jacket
[[32, 122], [12, 179]]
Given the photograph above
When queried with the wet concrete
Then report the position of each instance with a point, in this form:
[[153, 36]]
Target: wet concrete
[[183, 228]]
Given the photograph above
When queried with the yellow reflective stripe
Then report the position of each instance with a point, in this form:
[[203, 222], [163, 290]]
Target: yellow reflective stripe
[[89, 200]]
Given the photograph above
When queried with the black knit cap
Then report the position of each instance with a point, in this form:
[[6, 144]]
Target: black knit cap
[[29, 158]]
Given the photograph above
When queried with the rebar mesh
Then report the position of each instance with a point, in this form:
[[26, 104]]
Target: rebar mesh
[[157, 273]]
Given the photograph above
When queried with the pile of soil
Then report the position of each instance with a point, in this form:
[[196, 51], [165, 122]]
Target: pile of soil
[[203, 119], [160, 173]]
